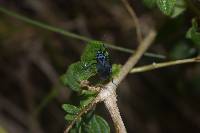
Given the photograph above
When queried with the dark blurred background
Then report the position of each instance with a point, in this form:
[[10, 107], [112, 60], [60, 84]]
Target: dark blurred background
[[33, 59]]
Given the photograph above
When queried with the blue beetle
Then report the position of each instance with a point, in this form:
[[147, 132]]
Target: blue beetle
[[103, 64]]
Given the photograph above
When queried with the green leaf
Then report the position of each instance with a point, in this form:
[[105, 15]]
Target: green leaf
[[89, 123], [97, 125], [115, 69], [69, 117], [86, 101], [76, 73], [166, 6], [150, 3], [84, 69], [71, 109], [74, 130], [89, 55], [179, 8], [87, 97], [69, 79], [194, 33], [88, 93]]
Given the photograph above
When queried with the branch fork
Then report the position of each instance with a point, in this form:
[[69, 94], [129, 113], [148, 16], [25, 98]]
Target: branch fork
[[107, 94]]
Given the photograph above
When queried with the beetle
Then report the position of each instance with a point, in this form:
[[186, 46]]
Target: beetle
[[103, 65]]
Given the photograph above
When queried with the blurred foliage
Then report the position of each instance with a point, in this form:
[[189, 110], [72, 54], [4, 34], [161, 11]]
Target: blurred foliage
[[194, 33], [181, 51], [150, 3], [2, 130]]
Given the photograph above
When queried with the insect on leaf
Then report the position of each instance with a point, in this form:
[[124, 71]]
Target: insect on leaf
[[84, 69], [89, 54]]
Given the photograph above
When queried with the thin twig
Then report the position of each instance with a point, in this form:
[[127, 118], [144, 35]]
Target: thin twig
[[43, 25], [135, 20], [164, 64], [70, 34]]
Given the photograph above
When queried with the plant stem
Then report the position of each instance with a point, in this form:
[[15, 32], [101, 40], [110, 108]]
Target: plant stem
[[164, 64], [43, 25], [108, 94], [135, 57], [70, 34], [111, 105]]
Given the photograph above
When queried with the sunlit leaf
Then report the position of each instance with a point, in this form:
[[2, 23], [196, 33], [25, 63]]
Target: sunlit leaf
[[71, 109], [76, 73], [166, 6], [69, 117]]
